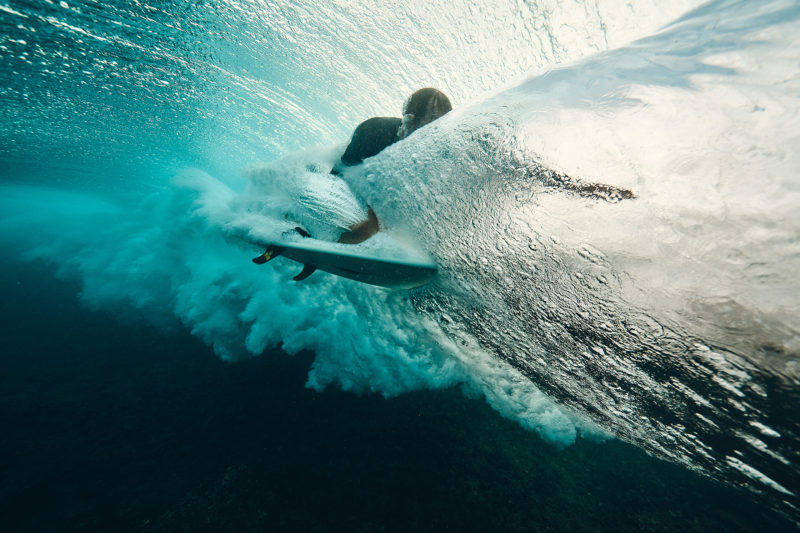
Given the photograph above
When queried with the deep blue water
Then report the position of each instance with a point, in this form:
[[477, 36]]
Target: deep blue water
[[108, 426]]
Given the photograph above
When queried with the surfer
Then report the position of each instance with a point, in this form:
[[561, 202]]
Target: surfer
[[370, 138], [376, 134]]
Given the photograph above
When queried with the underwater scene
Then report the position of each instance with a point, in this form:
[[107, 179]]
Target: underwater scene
[[567, 301]]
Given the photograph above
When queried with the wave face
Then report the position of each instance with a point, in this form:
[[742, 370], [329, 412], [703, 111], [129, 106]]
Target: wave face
[[668, 319], [671, 318]]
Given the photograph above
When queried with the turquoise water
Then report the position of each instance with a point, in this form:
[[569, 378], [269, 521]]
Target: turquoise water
[[142, 143]]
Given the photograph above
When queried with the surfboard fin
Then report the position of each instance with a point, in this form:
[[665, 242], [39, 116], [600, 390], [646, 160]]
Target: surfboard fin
[[307, 271], [270, 253]]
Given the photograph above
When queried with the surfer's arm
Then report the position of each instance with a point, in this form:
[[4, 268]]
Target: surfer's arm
[[361, 231]]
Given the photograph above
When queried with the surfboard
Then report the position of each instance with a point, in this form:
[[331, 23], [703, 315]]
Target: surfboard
[[381, 260]]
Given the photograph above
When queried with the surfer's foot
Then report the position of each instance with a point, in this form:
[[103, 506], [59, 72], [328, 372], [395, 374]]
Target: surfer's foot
[[361, 231]]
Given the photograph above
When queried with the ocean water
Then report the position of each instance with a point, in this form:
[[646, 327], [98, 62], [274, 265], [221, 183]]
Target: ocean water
[[613, 339]]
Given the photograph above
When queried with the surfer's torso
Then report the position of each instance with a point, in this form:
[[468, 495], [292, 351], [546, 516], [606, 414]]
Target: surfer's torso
[[370, 138]]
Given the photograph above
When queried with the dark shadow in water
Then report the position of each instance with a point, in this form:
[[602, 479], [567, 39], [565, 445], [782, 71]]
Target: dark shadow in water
[[113, 427]]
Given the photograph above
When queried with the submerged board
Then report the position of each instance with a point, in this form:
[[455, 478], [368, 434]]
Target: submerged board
[[380, 260]]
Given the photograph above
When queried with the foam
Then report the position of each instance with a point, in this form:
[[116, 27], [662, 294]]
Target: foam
[[179, 256]]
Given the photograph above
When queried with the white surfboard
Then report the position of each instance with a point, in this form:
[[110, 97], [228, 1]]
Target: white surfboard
[[380, 260]]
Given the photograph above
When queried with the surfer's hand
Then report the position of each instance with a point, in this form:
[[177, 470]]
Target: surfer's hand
[[361, 231]]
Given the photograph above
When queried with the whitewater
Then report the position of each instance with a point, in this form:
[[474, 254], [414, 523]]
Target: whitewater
[[668, 317]]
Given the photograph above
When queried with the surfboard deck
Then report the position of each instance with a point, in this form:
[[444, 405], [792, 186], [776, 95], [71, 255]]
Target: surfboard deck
[[384, 262]]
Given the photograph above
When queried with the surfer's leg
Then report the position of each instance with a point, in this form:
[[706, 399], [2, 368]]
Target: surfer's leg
[[597, 191], [361, 231]]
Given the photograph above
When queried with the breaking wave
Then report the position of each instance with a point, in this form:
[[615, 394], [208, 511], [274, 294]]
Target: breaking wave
[[617, 237]]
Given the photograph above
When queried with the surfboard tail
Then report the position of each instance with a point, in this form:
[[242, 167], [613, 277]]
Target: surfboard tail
[[270, 253]]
